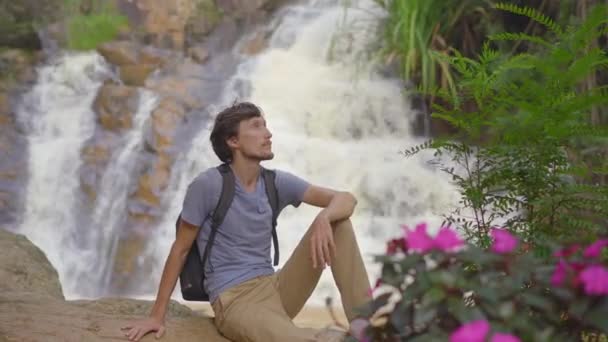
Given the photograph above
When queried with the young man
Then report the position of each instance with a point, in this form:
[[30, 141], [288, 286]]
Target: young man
[[251, 302]]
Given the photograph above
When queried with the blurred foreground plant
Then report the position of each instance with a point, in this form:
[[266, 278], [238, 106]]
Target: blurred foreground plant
[[441, 288]]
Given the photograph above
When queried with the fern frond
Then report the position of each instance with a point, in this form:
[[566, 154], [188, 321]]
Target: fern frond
[[592, 28], [520, 61], [417, 148], [508, 36], [532, 14], [488, 54], [585, 66]]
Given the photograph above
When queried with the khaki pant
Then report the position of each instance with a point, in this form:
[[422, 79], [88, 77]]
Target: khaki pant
[[262, 309]]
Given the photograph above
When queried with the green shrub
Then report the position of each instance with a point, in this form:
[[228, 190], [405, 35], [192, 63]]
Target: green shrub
[[87, 31], [416, 32], [438, 288], [525, 157]]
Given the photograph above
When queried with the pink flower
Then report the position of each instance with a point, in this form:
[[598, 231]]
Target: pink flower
[[563, 269], [568, 251], [595, 249], [504, 241], [577, 267], [595, 280], [394, 245], [447, 240], [559, 274], [475, 331], [500, 337], [419, 240]]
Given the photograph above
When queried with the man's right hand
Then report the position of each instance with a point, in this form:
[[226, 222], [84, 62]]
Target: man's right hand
[[186, 235], [137, 329]]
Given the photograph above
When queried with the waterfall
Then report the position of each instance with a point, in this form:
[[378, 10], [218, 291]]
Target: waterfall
[[57, 117], [334, 124], [109, 214]]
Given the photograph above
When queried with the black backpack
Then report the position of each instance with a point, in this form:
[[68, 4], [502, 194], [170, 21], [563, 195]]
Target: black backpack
[[192, 276]]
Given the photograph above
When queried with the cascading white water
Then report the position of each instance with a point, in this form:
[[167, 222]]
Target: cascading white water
[[334, 125], [109, 213], [59, 118]]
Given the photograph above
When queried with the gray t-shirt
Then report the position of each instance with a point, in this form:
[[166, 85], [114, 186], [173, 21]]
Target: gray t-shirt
[[241, 250]]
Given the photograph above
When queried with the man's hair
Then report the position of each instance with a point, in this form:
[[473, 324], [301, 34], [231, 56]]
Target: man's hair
[[227, 124]]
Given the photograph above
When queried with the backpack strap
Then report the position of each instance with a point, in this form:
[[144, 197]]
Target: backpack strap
[[273, 199], [226, 197]]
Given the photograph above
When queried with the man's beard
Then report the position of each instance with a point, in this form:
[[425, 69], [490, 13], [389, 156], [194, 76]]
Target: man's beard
[[259, 156]]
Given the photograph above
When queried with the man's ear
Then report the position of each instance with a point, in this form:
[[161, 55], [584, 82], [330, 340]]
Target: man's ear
[[232, 142]]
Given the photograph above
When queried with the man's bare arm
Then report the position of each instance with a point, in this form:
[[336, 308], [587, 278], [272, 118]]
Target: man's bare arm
[[186, 235], [337, 206]]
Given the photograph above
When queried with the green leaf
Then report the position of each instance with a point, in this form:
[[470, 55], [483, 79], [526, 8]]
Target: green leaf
[[462, 312], [432, 296], [506, 310], [579, 307], [424, 315], [410, 262], [598, 318], [537, 301]]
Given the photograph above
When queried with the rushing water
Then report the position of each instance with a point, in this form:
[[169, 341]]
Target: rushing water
[[336, 122], [333, 124]]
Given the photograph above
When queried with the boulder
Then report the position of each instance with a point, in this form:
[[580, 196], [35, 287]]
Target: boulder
[[95, 156], [163, 22], [115, 106], [155, 56], [178, 89], [136, 75], [24, 267], [154, 181], [30, 317], [32, 307], [119, 53], [255, 44], [198, 54], [240, 7]]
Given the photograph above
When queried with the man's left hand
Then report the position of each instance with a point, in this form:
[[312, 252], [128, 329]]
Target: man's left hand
[[322, 245]]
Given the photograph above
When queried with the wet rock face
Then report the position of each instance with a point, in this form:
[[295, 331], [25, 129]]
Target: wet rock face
[[162, 22], [180, 24], [119, 53], [115, 106], [134, 63], [18, 21], [16, 73]]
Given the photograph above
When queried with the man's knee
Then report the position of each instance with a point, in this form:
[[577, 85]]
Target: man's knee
[[342, 224]]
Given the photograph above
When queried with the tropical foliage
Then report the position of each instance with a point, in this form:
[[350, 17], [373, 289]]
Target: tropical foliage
[[527, 156], [417, 32]]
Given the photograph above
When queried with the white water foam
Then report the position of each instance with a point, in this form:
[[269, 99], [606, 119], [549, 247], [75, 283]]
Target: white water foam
[[335, 125]]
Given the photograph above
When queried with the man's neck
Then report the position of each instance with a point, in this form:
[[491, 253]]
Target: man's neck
[[247, 171]]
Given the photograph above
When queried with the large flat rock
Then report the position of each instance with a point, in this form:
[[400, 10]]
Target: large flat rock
[[32, 307]]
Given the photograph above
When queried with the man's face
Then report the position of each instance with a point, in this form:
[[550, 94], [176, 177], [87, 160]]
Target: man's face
[[253, 140]]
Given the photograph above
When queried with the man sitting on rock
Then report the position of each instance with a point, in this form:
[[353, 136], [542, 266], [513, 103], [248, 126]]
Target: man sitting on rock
[[251, 302]]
